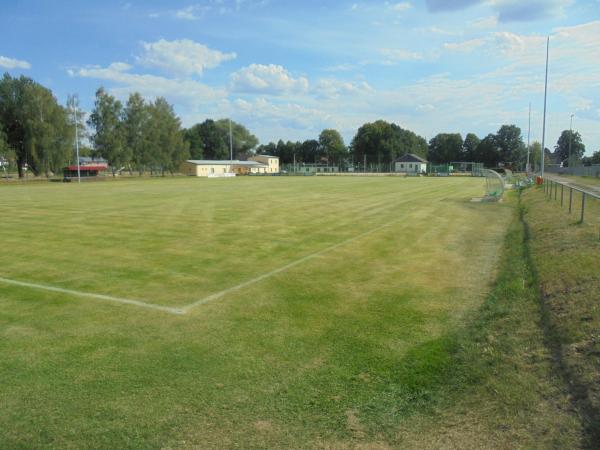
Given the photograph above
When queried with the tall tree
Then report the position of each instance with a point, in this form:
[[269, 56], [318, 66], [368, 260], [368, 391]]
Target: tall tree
[[309, 151], [136, 125], [382, 142], [510, 146], [445, 148], [243, 141], [164, 137], [332, 146], [34, 124], [108, 137], [561, 150], [469, 146], [487, 152], [76, 120]]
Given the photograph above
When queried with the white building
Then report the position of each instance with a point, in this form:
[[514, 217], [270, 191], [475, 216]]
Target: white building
[[222, 168], [411, 163], [272, 162]]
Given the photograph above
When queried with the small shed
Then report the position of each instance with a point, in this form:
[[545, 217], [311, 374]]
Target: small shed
[[84, 171], [411, 163]]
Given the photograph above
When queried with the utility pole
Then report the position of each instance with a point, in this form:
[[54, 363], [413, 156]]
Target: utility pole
[[527, 169], [545, 98], [570, 141]]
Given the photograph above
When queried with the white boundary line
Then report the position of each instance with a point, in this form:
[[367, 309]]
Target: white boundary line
[[218, 295], [94, 296]]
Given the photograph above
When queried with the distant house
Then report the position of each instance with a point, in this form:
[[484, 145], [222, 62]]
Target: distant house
[[272, 162], [223, 168], [411, 163]]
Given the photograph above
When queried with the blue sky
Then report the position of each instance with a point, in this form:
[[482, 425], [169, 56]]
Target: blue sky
[[290, 69]]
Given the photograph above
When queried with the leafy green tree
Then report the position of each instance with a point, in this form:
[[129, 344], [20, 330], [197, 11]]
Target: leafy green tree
[[445, 148], [595, 158], [469, 146], [76, 118], [487, 152], [310, 151], [166, 148], [109, 137], [268, 149], [243, 140], [34, 124], [561, 150], [136, 125], [207, 141], [510, 146], [332, 146], [382, 142]]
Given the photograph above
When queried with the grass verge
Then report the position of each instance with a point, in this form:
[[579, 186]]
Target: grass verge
[[502, 389], [565, 255]]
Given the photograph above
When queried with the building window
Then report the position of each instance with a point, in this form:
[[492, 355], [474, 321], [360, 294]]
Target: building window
[[402, 166]]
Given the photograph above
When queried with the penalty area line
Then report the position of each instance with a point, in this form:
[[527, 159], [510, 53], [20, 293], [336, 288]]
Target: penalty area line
[[106, 298], [220, 294]]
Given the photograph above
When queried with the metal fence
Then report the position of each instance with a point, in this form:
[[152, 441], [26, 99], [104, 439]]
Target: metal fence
[[582, 171], [578, 201]]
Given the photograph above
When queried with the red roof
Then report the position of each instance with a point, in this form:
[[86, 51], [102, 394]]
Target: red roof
[[86, 168]]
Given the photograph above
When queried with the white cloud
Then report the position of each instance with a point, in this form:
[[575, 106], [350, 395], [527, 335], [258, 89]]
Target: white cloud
[[192, 12], [11, 63], [332, 88], [484, 22], [437, 30], [465, 46], [399, 7], [397, 54], [181, 57], [428, 107], [287, 115], [268, 79], [188, 92]]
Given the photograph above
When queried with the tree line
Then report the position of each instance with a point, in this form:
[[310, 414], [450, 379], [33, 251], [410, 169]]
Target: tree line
[[38, 134]]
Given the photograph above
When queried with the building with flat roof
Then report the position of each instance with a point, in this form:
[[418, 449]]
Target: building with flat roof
[[222, 168]]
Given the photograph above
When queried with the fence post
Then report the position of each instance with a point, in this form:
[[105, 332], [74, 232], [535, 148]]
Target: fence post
[[582, 206], [555, 190], [570, 200], [562, 192]]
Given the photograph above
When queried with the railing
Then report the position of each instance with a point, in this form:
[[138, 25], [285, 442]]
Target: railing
[[576, 198]]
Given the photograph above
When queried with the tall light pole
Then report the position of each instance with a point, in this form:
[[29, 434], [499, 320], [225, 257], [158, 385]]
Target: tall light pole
[[230, 142], [528, 138], [570, 140], [76, 141], [545, 98]]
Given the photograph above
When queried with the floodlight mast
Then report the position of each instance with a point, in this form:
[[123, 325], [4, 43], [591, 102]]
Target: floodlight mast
[[527, 169], [77, 143], [570, 139], [230, 142], [545, 98]]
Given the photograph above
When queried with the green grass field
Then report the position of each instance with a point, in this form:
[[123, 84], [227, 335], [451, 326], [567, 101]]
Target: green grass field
[[340, 347]]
